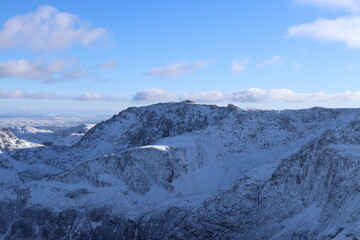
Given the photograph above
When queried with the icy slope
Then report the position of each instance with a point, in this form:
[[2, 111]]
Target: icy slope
[[188, 171]]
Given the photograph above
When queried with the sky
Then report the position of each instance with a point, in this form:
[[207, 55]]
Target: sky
[[81, 57]]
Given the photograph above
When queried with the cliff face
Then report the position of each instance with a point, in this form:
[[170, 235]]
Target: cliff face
[[188, 171]]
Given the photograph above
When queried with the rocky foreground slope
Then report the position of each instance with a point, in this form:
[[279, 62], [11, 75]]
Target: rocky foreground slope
[[189, 171]]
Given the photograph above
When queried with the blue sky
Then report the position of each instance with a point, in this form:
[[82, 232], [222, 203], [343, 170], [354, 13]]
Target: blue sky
[[90, 56]]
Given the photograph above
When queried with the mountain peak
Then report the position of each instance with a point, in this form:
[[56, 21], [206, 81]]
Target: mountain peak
[[188, 102]]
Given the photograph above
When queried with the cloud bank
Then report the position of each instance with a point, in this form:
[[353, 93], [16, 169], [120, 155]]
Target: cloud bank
[[251, 95], [48, 29]]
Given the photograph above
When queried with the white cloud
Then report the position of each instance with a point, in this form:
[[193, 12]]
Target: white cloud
[[297, 66], [343, 29], [258, 95], [57, 70], [208, 97], [154, 94], [251, 95], [21, 94], [275, 60], [238, 66], [178, 69], [12, 93], [349, 5], [96, 97], [107, 65], [47, 29]]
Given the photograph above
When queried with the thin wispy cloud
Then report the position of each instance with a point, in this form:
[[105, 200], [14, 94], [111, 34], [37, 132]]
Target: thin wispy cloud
[[348, 5], [251, 95], [48, 29], [95, 97], [55, 71], [21, 94], [274, 61], [239, 66], [107, 65], [344, 29], [297, 66], [351, 67], [179, 68]]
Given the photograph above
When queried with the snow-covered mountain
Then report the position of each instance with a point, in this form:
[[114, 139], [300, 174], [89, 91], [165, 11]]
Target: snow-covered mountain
[[188, 171], [9, 142], [66, 137]]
